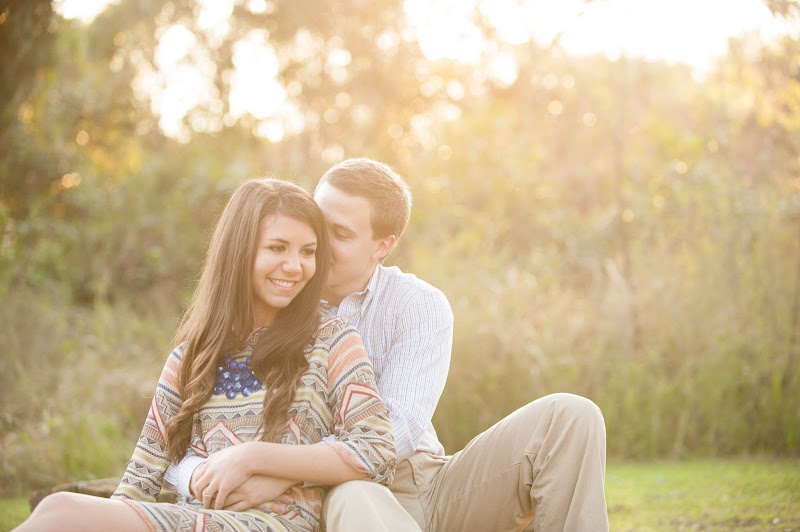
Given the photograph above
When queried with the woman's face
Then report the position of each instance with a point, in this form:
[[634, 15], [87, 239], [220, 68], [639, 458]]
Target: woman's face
[[285, 261]]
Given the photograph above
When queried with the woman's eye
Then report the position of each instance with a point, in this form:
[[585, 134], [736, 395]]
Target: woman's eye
[[276, 248], [309, 252]]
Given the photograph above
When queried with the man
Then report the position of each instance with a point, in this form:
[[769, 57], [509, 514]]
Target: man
[[540, 468]]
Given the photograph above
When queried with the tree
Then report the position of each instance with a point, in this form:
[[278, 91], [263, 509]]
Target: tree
[[27, 34]]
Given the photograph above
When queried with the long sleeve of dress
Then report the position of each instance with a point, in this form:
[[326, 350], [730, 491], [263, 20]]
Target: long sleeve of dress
[[142, 478], [362, 428]]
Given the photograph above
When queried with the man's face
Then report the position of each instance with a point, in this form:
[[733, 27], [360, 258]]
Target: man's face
[[353, 250]]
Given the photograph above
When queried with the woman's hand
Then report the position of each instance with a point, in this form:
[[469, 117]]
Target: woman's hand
[[220, 474], [261, 491]]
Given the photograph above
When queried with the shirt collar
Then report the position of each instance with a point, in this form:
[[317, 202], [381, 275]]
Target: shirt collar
[[372, 285], [365, 296]]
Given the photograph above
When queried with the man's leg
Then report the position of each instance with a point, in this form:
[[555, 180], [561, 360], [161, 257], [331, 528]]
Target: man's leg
[[541, 468], [360, 505]]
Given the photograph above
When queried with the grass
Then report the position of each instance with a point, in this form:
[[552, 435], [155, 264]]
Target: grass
[[718, 495], [13, 512], [759, 495]]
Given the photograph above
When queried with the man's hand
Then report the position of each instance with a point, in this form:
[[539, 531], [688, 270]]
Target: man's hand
[[220, 474], [263, 492]]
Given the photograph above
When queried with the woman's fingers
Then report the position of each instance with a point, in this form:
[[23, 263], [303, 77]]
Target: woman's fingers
[[236, 502], [209, 495], [208, 499], [288, 500], [240, 506], [274, 507], [220, 497]]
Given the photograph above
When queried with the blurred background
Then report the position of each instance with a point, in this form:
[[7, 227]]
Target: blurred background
[[607, 191]]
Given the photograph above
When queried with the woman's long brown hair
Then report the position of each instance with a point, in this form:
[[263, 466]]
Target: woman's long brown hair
[[220, 318]]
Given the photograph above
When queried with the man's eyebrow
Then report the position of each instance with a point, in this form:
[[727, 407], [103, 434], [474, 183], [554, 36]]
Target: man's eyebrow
[[341, 228]]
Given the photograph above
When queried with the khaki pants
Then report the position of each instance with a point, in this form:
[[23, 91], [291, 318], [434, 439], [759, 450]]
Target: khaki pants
[[541, 468]]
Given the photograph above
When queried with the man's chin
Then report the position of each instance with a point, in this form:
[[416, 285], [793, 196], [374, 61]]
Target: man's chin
[[332, 289]]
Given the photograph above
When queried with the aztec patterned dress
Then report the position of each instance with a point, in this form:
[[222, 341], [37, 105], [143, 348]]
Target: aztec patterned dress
[[336, 395]]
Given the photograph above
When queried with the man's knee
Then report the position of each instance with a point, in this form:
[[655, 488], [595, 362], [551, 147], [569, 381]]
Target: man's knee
[[577, 413], [360, 505], [354, 492], [575, 405], [353, 497]]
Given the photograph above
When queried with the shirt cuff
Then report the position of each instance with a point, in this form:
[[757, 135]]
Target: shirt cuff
[[330, 438], [185, 470]]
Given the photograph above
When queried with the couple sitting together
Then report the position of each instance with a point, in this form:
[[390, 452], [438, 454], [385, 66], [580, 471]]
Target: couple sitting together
[[301, 392]]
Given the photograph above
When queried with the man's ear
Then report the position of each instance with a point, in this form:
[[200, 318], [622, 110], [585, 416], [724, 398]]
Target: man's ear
[[385, 245]]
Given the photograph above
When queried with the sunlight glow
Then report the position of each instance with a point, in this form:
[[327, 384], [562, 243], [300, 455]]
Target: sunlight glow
[[173, 45], [182, 81], [213, 19], [83, 10], [503, 69], [260, 6], [685, 31], [437, 37], [254, 88]]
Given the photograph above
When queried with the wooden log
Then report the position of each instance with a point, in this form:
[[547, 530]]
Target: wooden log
[[102, 487]]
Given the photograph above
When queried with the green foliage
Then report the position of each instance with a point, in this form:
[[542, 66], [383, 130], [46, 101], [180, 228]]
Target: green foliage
[[76, 385], [27, 36], [53, 447]]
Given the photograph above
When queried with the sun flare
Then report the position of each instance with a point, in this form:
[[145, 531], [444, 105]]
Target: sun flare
[[676, 31]]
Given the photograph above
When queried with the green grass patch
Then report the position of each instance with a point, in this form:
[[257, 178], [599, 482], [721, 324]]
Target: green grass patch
[[704, 495], [739, 495], [12, 512]]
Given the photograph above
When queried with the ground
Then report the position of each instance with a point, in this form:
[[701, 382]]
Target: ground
[[737, 495]]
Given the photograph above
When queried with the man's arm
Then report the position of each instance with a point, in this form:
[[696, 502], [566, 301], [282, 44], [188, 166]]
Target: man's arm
[[178, 476], [418, 361]]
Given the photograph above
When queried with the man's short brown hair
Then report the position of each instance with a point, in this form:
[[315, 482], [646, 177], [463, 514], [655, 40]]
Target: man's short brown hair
[[387, 193]]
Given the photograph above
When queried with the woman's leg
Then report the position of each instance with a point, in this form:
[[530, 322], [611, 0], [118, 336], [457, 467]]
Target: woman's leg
[[68, 511]]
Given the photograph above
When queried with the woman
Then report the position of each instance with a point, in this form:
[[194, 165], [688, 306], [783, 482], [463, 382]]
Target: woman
[[257, 377]]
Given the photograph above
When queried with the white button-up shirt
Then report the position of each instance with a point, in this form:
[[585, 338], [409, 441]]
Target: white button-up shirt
[[407, 328]]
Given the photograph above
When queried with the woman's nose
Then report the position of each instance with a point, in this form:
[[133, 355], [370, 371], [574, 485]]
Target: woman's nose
[[291, 264]]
